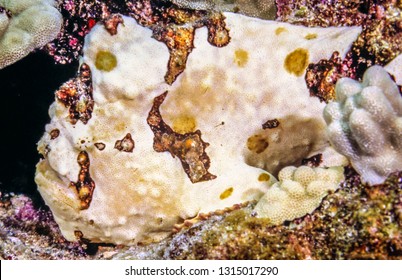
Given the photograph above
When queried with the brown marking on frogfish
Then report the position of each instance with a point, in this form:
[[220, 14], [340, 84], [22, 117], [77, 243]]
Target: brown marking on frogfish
[[188, 147], [85, 185], [100, 146], [270, 124], [112, 22], [76, 95], [126, 144], [54, 134], [218, 34], [177, 33], [179, 41]]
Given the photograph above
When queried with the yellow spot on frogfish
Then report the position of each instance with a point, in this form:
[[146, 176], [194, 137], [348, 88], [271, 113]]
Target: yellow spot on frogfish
[[228, 192], [184, 124], [241, 57], [105, 61], [264, 177], [297, 61], [310, 36], [280, 30]]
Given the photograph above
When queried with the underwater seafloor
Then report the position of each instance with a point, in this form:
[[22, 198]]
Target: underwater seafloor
[[358, 221]]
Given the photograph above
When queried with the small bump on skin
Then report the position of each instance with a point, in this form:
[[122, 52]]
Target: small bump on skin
[[100, 146]]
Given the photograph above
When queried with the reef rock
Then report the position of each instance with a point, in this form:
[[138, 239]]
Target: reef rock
[[128, 155]]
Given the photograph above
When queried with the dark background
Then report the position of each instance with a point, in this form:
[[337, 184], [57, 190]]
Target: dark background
[[26, 91]]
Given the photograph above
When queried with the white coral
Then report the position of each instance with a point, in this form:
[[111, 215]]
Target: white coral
[[31, 25], [365, 124], [298, 192]]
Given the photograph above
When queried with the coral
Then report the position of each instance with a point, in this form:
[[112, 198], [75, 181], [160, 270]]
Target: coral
[[79, 16], [168, 174], [365, 124], [264, 9], [393, 68], [323, 13], [298, 192], [24, 26]]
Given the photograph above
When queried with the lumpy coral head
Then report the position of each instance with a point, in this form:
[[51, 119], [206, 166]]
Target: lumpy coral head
[[26, 25], [365, 124], [298, 192], [127, 155]]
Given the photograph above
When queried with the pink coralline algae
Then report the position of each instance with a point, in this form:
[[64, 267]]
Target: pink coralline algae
[[165, 19], [27, 232], [79, 17]]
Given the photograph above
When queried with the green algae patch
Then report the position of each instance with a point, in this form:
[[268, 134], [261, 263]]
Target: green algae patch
[[105, 61], [297, 61]]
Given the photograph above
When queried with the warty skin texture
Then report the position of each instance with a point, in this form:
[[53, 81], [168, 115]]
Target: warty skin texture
[[227, 93]]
